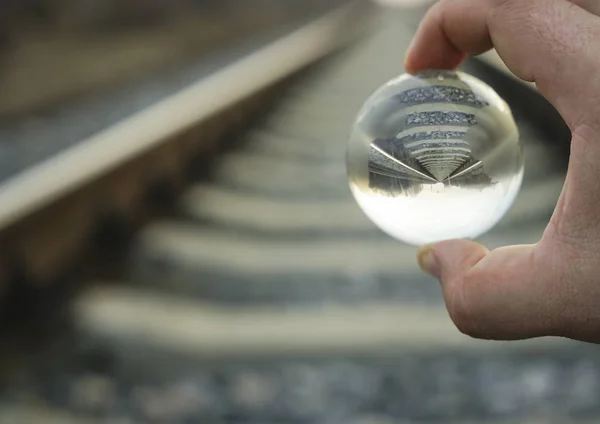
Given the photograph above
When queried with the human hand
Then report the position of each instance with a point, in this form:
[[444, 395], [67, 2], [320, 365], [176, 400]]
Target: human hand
[[551, 288]]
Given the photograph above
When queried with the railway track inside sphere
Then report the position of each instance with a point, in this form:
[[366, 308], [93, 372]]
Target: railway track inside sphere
[[263, 294]]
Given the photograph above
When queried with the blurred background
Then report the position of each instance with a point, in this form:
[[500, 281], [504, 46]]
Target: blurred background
[[178, 243]]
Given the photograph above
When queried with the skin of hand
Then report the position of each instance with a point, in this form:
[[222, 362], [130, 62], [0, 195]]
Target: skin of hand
[[551, 288]]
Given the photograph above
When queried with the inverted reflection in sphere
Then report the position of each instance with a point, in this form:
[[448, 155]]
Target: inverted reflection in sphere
[[435, 156]]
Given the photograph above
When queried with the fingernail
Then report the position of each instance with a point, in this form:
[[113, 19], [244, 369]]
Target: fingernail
[[428, 262]]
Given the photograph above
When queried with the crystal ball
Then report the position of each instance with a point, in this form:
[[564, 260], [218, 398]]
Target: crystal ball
[[435, 156]]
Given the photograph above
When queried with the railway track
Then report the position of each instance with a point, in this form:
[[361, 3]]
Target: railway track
[[263, 294], [60, 176]]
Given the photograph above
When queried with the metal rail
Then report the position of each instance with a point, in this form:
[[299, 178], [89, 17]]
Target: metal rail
[[146, 129], [53, 205]]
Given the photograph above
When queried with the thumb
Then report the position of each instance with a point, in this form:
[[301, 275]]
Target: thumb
[[505, 294]]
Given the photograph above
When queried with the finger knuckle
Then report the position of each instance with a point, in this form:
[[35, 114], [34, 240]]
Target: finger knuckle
[[509, 15], [505, 8]]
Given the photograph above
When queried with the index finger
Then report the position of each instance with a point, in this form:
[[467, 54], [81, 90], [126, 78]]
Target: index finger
[[549, 42], [441, 43]]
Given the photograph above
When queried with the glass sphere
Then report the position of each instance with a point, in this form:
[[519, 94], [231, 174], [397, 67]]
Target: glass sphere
[[435, 156]]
